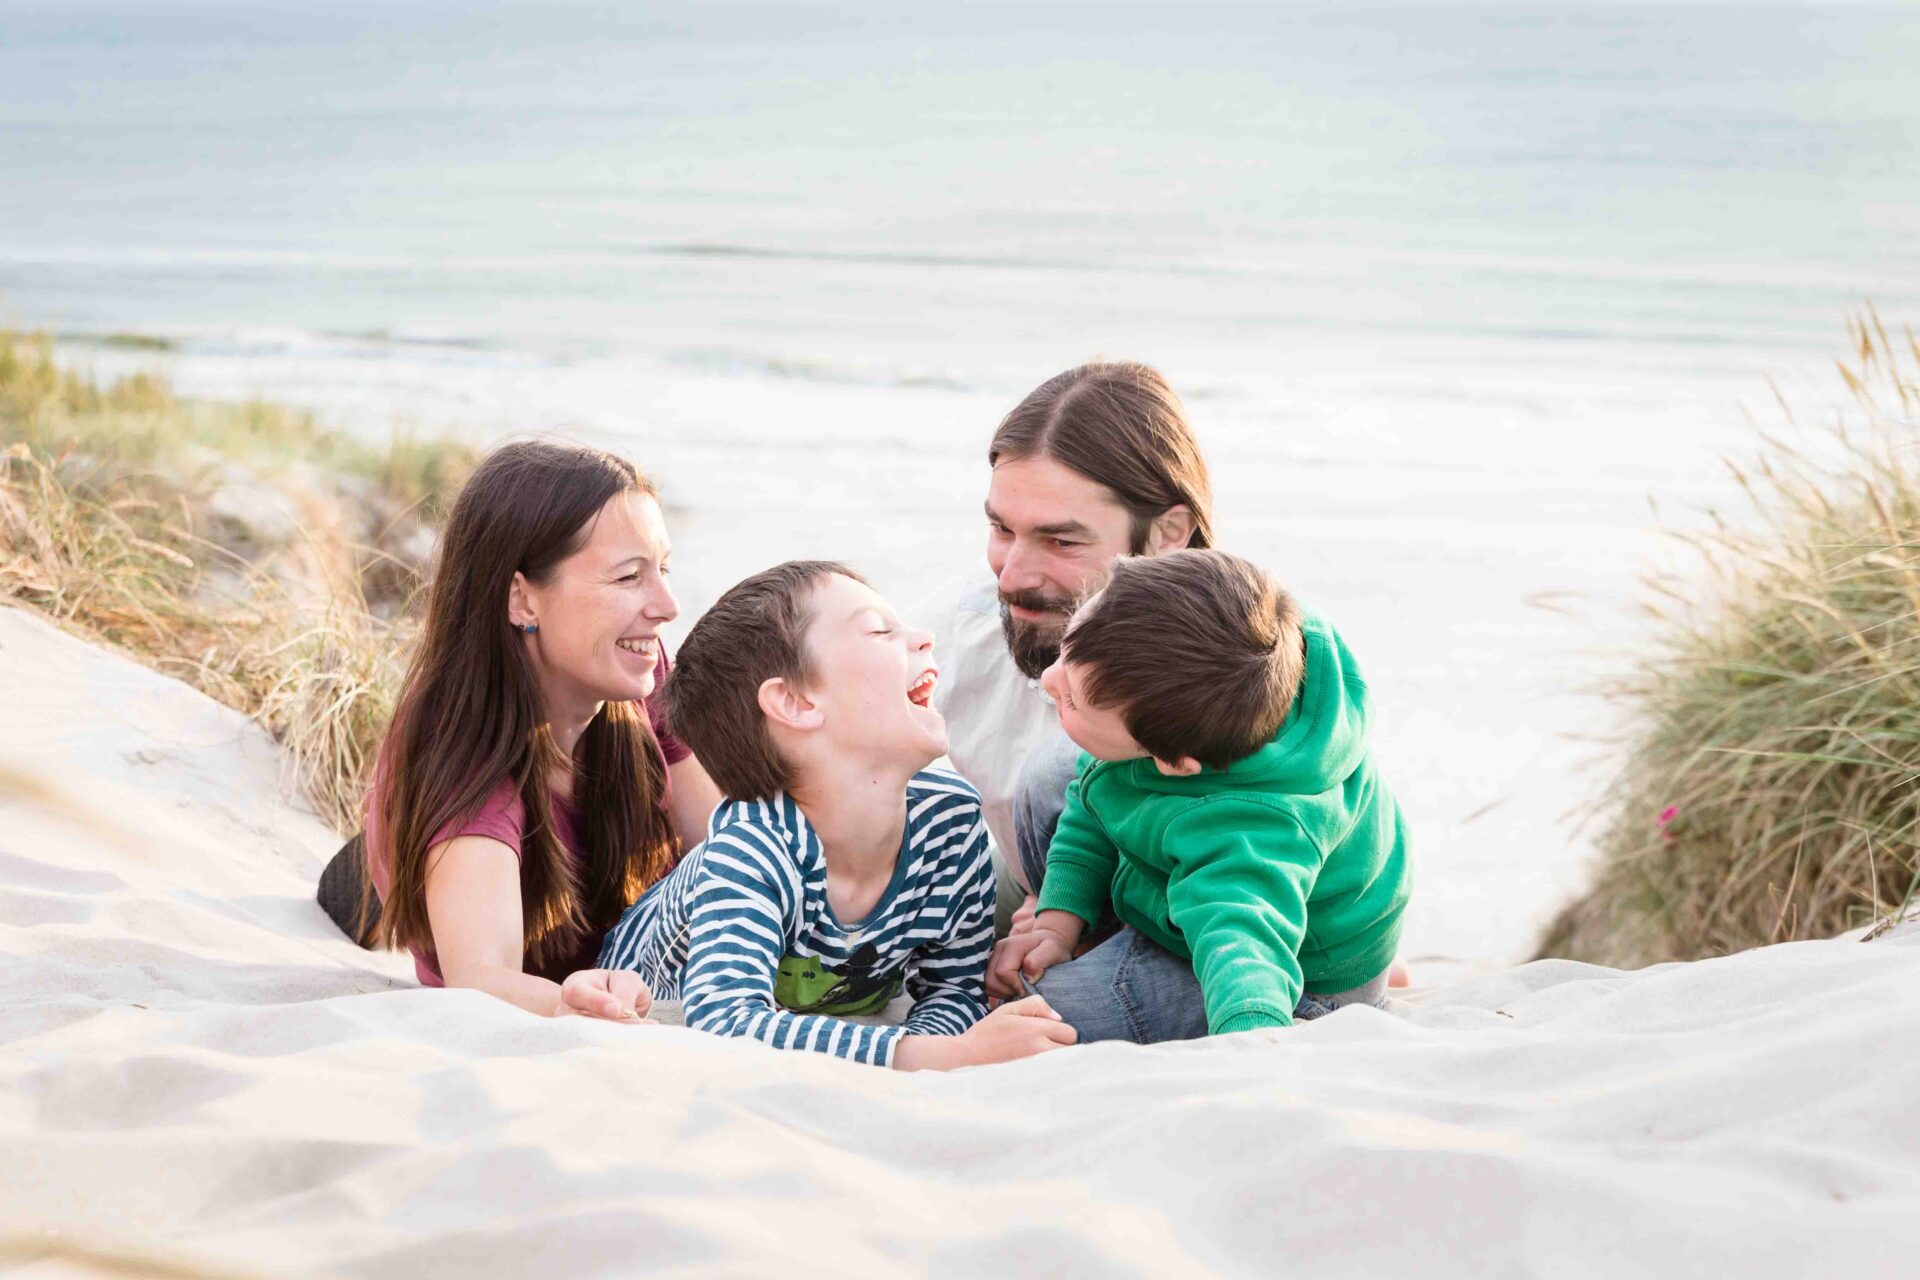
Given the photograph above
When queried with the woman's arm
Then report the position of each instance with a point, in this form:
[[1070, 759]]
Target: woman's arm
[[473, 908], [691, 804]]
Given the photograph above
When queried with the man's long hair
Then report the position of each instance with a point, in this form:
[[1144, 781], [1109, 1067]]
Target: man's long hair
[[1120, 425]]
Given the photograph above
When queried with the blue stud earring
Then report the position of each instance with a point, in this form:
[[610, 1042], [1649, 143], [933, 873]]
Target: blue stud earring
[[529, 627]]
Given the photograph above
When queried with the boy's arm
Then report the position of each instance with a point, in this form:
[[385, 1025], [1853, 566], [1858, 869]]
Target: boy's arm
[[1080, 862], [947, 978], [1238, 894], [737, 925]]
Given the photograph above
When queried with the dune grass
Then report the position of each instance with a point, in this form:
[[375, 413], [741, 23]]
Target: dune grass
[[112, 523], [138, 421], [1772, 741]]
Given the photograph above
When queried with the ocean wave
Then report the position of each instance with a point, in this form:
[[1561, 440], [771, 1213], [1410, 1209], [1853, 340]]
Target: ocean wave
[[1745, 282], [853, 372], [875, 257], [268, 342]]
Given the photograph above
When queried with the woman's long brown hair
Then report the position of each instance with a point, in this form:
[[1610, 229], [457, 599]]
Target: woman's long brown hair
[[470, 716]]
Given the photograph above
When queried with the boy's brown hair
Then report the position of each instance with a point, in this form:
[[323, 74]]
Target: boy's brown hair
[[754, 633], [1200, 651]]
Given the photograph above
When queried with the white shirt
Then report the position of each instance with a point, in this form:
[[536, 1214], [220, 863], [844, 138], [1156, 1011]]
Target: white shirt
[[996, 717]]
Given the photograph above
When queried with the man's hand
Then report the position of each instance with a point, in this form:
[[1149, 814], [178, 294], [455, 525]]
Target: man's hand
[[1016, 1030], [615, 994], [1023, 914]]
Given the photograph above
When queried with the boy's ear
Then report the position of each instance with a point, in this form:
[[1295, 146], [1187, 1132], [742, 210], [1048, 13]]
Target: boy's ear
[[787, 706], [1184, 767], [1171, 530]]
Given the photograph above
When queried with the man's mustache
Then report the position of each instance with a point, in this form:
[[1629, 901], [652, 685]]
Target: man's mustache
[[1035, 602]]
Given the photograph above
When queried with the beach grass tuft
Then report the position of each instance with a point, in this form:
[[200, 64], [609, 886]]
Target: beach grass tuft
[[240, 546], [138, 420], [1770, 789]]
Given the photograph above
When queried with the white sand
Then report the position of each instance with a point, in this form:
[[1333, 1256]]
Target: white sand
[[194, 1066]]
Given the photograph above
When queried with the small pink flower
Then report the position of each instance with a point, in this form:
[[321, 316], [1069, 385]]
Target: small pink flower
[[1669, 813]]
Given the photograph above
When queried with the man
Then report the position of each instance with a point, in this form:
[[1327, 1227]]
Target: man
[[1096, 463]]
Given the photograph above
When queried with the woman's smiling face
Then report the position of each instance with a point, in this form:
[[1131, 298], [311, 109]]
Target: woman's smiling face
[[600, 610]]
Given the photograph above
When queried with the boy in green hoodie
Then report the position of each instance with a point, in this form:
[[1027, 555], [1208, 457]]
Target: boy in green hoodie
[[1227, 812]]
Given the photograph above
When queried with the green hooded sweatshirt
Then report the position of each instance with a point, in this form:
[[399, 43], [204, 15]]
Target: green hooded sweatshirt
[[1283, 872]]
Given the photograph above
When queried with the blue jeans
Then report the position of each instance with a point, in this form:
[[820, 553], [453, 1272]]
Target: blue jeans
[[1131, 988], [1128, 987]]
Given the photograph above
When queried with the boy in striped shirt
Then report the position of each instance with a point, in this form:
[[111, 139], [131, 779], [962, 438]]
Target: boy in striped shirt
[[841, 868]]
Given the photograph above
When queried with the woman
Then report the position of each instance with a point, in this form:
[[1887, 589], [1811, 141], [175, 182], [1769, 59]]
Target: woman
[[524, 794]]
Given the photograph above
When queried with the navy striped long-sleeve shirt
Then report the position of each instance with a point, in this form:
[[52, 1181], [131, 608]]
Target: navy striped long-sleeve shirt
[[714, 932]]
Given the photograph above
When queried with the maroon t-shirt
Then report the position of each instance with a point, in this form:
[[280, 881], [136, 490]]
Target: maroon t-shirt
[[502, 816]]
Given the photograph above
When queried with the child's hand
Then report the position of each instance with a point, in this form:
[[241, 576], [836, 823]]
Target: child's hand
[[1031, 953], [1018, 1029], [615, 994]]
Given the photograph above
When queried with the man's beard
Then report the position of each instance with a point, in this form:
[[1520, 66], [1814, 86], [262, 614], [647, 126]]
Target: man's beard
[[1034, 645]]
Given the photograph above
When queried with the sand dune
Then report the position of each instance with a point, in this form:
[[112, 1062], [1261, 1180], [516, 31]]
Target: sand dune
[[197, 1071]]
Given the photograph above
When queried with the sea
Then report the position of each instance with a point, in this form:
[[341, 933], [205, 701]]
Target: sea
[[1469, 303]]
